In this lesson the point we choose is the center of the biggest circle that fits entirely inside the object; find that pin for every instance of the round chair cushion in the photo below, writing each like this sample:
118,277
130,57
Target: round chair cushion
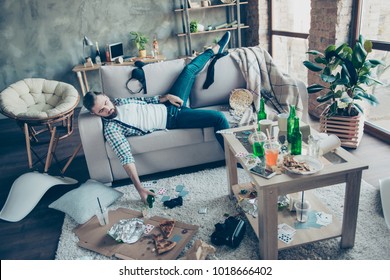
37,98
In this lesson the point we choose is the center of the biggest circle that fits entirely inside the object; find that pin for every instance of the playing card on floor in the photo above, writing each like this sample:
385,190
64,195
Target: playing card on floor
148,228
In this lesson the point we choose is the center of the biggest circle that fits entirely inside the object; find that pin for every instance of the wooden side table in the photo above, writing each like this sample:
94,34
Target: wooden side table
346,169
81,70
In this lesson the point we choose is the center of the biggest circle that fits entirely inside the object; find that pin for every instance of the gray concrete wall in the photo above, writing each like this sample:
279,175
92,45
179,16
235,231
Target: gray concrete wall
43,38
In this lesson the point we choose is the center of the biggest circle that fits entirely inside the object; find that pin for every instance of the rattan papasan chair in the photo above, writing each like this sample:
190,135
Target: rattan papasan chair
40,105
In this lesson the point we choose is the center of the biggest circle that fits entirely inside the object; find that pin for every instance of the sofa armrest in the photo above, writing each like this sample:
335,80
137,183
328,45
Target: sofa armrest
92,139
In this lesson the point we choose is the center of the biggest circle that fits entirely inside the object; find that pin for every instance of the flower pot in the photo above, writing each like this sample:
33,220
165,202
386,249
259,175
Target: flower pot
142,53
348,129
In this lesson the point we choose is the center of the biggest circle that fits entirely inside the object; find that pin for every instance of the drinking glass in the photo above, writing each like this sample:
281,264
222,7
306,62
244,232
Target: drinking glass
271,151
258,142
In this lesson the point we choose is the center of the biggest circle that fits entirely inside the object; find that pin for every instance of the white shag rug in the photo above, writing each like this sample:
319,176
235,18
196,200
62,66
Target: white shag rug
208,188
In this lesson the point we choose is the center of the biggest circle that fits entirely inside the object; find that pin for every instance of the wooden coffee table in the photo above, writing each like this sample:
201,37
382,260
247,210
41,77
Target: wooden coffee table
342,168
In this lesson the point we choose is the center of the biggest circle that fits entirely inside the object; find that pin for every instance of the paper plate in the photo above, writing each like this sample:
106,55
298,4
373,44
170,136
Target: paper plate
314,164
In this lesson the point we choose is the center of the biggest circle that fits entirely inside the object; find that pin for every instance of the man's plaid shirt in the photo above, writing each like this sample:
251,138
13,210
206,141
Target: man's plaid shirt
116,132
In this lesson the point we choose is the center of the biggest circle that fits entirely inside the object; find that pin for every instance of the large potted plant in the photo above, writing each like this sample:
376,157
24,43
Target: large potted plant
140,41
347,74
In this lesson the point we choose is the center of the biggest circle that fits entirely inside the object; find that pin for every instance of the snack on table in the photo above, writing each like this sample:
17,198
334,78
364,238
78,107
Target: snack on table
290,162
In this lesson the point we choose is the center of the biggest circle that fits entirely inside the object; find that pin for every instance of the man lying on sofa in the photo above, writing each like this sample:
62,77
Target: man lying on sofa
124,117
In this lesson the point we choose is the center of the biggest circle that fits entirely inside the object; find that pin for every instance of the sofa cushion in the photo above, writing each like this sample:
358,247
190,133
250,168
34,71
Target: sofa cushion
160,76
161,140
37,98
81,203
227,76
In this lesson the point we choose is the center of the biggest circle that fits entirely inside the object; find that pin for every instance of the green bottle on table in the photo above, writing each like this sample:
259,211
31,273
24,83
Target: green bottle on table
296,139
290,123
261,115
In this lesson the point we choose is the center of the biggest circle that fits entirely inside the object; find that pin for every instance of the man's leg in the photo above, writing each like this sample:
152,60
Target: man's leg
183,84
197,118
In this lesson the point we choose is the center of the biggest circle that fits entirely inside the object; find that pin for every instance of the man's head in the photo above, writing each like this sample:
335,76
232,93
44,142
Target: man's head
99,104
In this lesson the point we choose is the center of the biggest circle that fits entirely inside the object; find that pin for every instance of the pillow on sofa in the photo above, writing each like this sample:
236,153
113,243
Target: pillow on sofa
81,203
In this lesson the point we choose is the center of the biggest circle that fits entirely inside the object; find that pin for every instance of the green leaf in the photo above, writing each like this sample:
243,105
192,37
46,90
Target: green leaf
352,74
359,55
370,98
346,99
328,78
368,80
320,60
333,109
359,108
375,62
338,94
325,97
344,76
361,39
314,52
311,66
341,48
368,46
314,88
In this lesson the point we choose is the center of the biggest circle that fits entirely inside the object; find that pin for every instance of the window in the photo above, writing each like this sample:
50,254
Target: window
289,32
373,23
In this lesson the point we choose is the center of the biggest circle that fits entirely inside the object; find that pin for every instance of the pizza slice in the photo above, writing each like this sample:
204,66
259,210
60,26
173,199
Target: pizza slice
163,245
166,227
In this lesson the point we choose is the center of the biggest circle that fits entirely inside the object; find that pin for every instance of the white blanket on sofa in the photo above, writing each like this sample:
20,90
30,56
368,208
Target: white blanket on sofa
263,77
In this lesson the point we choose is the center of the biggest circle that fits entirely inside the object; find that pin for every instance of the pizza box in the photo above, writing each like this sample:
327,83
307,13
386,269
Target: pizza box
94,237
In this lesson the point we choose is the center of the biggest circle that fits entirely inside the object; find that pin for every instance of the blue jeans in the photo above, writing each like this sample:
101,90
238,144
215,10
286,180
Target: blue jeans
185,117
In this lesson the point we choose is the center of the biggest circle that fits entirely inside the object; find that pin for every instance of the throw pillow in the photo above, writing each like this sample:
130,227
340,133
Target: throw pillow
81,204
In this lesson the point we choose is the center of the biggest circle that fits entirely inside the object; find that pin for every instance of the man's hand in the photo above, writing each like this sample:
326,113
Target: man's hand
143,193
173,99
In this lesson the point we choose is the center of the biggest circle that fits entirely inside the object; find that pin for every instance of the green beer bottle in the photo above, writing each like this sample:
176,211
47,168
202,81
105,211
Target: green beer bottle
290,123
261,115
150,199
296,139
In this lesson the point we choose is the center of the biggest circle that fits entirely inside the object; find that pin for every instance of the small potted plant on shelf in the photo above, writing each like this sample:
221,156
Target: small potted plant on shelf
140,41
193,26
348,75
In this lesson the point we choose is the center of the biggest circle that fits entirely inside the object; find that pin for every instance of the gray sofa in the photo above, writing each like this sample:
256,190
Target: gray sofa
161,150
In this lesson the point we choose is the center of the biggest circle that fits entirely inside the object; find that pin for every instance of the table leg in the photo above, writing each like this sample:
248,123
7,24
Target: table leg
268,223
231,166
80,78
86,81
351,207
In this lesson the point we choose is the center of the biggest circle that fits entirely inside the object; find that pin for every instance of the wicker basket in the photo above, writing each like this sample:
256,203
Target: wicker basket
348,129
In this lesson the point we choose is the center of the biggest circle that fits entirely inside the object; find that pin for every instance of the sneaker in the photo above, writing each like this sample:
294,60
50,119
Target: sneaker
224,41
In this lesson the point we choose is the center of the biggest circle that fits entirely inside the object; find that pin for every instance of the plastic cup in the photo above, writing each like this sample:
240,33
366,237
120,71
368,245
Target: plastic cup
258,142
302,210
271,152
102,217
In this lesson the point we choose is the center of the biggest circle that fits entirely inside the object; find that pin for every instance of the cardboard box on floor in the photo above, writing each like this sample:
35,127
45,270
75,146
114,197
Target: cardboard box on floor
94,237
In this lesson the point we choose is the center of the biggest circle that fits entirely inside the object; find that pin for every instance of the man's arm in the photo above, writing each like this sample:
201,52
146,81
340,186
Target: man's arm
131,170
118,142
173,99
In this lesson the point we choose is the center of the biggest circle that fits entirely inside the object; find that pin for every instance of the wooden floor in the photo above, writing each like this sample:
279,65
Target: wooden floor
37,235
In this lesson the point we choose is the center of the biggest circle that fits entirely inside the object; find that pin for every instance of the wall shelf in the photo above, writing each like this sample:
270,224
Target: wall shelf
233,14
